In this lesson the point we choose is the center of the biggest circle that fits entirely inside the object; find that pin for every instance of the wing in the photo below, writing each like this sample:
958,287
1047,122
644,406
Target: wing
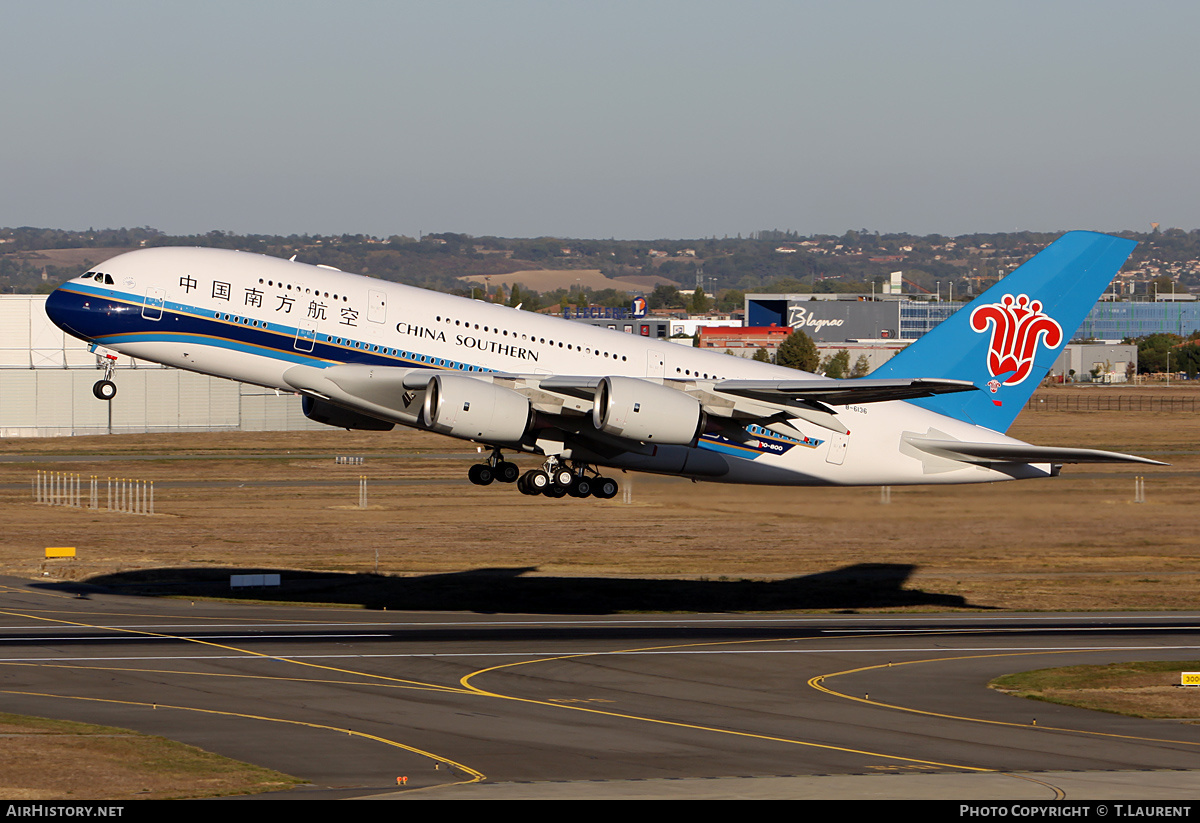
841,392
631,409
615,414
771,402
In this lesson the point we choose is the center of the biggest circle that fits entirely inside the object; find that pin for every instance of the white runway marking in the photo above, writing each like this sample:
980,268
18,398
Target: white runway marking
577,653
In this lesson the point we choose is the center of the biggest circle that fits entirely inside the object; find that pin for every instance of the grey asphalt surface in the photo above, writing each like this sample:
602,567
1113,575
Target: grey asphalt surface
511,706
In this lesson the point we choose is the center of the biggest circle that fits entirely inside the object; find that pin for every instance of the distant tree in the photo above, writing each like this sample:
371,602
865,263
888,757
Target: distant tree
699,303
731,300
664,297
1161,285
609,297
836,366
531,299
762,356
1153,349
798,351
862,367
514,298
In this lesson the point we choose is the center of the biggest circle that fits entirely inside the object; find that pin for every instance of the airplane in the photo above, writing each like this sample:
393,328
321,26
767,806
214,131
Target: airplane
370,354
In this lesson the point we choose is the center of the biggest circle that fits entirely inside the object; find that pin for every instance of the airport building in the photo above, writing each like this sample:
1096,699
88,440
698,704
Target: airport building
1118,320
830,318
1095,363
656,327
743,341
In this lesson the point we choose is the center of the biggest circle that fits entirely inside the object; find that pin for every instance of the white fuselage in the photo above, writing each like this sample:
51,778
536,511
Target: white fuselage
250,318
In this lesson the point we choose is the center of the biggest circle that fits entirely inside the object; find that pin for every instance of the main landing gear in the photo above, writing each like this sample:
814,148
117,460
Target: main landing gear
554,479
496,468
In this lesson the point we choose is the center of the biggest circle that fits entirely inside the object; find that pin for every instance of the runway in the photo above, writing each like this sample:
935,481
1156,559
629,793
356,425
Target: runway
476,705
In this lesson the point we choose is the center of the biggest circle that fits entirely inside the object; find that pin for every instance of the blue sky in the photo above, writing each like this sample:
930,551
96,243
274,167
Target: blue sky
635,120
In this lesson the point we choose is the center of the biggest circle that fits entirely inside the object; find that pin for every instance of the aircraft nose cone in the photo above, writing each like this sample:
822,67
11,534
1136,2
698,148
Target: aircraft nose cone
65,310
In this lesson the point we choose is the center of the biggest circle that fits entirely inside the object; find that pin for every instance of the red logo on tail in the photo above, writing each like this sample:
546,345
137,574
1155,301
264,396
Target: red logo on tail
1017,325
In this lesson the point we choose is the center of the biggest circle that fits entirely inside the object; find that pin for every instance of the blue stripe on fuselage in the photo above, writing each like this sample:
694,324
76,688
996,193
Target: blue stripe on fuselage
110,318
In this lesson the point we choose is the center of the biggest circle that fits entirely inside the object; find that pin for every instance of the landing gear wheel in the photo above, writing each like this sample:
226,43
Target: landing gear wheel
606,488
582,487
104,389
481,474
555,490
536,480
563,476
507,472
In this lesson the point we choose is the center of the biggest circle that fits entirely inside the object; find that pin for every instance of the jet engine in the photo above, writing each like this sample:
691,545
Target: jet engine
333,415
475,410
650,412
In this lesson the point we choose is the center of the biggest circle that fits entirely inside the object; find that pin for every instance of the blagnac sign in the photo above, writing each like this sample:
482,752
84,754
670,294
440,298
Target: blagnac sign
800,317
833,321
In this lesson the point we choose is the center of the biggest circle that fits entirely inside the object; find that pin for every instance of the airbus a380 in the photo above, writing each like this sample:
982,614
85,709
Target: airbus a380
368,354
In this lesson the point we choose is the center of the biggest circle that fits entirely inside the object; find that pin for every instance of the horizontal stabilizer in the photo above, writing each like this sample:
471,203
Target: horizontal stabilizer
1022,453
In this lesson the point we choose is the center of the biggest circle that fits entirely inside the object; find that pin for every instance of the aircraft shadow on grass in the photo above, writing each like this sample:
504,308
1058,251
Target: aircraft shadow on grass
511,590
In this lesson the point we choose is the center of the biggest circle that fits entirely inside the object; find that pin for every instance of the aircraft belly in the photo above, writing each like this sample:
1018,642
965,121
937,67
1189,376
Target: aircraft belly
243,367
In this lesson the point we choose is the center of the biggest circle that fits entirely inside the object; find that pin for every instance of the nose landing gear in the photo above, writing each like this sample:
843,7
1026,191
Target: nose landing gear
105,388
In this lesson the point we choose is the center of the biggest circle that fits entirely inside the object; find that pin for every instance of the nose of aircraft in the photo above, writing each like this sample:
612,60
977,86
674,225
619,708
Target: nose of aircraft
65,310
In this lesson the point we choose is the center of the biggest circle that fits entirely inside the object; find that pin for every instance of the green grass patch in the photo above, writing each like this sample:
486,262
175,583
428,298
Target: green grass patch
1137,689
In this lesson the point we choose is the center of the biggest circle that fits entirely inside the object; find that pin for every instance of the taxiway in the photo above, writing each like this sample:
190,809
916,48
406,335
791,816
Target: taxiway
613,706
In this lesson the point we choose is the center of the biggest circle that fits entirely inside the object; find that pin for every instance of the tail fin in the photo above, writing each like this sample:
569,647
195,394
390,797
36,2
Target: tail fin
1006,340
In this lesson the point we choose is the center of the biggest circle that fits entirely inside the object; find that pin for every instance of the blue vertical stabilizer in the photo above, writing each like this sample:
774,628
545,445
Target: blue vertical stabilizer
1006,340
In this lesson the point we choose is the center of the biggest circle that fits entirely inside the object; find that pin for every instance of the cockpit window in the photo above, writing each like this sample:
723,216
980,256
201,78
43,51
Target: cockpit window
88,276
108,281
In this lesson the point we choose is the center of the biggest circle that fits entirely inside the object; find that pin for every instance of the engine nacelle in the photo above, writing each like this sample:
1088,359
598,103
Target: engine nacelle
475,410
333,415
650,412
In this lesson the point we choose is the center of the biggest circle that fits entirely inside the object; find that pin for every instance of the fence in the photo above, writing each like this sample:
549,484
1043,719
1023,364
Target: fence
1107,402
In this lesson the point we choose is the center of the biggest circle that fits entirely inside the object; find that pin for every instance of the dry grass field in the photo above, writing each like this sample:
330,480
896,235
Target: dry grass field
277,501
